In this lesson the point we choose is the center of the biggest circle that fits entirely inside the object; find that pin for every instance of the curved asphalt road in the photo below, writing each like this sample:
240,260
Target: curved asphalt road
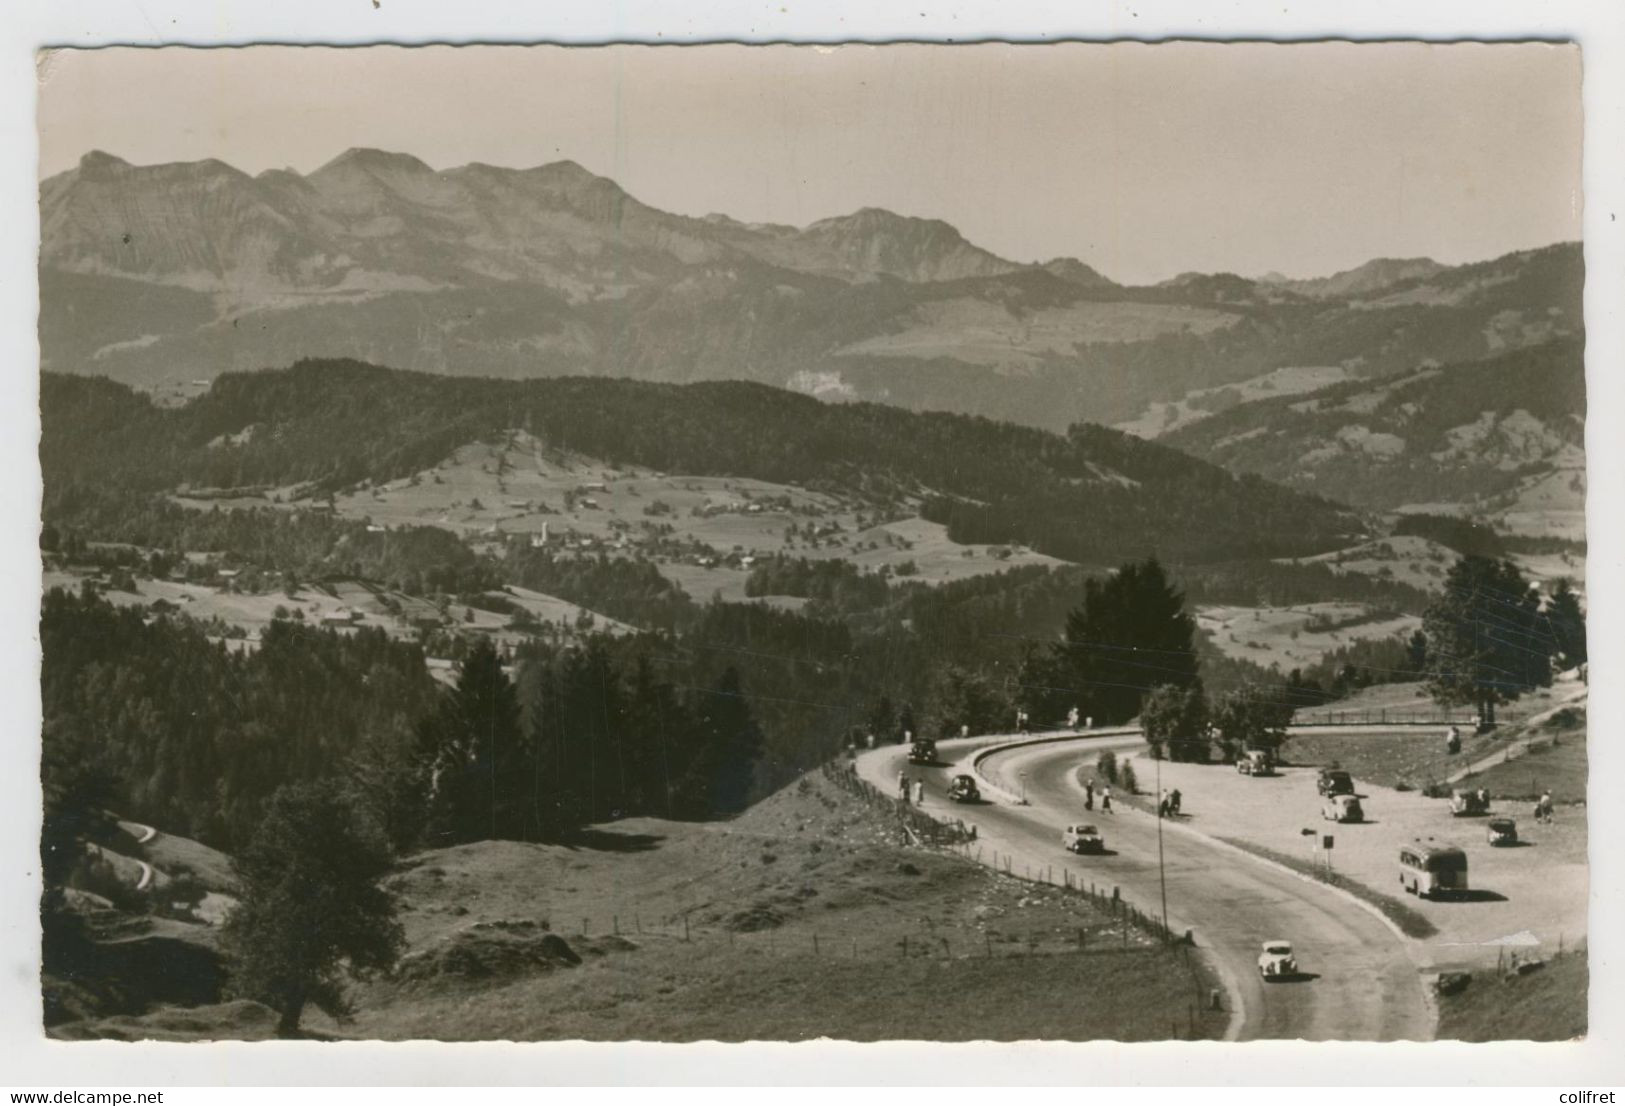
1363,985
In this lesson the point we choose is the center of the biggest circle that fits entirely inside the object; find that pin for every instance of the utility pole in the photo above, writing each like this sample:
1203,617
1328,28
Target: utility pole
1162,874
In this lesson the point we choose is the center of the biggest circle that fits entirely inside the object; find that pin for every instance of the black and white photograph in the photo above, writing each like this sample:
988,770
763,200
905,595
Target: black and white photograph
914,542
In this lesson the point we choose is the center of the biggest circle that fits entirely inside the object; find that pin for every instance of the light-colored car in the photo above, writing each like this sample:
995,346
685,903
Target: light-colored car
1277,961
1256,762
1083,839
1342,808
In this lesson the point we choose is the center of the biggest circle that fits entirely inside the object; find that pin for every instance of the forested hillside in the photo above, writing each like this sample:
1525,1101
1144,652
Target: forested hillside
1454,433
1092,496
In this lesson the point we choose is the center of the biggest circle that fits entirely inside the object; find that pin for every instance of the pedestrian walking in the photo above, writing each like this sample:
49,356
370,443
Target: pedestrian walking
1089,723
964,730
902,786
1089,795
871,739
1173,801
1106,800
919,792
1452,740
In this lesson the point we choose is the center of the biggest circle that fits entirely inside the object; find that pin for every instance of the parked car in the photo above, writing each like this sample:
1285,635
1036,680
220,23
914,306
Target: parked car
1277,961
923,751
1083,839
1342,808
1256,762
1468,803
1428,870
1501,831
962,789
1334,781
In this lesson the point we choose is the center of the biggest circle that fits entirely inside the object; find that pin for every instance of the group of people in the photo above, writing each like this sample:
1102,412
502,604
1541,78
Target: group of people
910,790
1168,807
1089,798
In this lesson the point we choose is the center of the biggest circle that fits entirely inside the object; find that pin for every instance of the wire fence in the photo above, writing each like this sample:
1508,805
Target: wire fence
919,827
1510,961
1407,716
1115,925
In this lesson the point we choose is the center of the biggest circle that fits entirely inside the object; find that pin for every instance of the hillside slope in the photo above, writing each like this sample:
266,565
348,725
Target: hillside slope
1095,495
162,276
1503,437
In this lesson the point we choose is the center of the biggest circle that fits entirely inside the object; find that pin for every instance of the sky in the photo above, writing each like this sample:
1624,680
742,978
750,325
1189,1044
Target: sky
1144,161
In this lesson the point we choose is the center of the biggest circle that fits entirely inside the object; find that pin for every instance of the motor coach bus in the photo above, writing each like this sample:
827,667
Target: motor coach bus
1432,870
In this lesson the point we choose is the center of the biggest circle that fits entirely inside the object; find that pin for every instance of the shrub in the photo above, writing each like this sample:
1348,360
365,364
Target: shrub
1130,784
1108,765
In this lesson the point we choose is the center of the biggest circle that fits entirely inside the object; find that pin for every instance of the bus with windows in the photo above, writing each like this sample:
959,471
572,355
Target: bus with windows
1430,871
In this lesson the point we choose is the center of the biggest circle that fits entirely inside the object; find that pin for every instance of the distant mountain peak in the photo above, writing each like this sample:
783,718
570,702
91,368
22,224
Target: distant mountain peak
874,239
100,161
1374,275
374,160
1073,271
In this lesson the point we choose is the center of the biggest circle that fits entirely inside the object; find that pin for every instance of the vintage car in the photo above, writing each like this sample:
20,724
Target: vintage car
1465,802
1256,762
1276,961
1342,808
1083,839
962,789
1501,831
923,751
1334,781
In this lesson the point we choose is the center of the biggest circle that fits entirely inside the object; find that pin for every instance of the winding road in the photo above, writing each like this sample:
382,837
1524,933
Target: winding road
1360,981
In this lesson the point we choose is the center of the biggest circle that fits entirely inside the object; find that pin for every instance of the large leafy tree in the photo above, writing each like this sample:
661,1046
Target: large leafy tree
962,697
1252,717
311,910
1176,718
1130,635
1488,640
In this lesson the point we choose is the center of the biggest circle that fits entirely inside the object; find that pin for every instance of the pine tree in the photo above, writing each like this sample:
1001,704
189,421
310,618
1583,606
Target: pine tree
1416,652
732,743
1130,635
481,787
1568,625
1488,641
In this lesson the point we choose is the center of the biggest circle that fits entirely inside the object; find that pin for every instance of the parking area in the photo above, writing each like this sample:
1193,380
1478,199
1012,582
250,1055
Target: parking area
1539,887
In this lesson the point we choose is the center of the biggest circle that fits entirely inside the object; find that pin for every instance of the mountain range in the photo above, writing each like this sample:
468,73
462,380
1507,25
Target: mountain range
166,276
